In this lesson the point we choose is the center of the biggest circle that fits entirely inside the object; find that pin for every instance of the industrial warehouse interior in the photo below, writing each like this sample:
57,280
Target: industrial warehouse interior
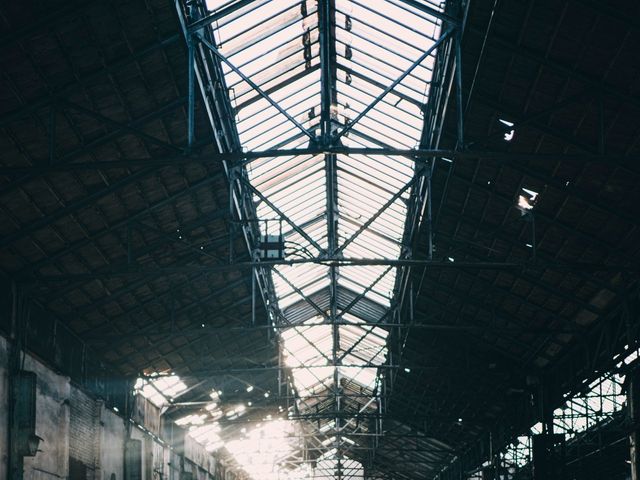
320,239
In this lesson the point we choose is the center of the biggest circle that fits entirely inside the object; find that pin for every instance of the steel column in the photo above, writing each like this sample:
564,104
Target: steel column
191,99
633,406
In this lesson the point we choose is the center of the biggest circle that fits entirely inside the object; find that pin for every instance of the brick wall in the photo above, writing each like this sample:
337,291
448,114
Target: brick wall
82,431
82,437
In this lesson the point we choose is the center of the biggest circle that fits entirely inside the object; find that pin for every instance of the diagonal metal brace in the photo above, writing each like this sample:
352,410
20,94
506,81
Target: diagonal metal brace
301,293
375,216
253,85
395,83
293,225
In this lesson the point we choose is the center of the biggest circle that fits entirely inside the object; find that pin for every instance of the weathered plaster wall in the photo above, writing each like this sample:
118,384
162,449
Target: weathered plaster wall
112,437
4,393
52,424
74,425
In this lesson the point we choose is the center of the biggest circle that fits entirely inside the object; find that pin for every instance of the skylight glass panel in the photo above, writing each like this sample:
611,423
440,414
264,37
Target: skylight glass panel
308,350
377,181
276,44
307,278
161,389
261,450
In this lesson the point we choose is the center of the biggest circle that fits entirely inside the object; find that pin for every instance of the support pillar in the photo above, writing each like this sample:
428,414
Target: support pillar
548,448
633,402
15,460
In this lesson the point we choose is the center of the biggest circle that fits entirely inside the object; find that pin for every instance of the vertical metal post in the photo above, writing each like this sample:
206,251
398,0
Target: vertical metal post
327,74
280,367
492,457
12,345
633,405
15,461
232,228
429,214
546,410
192,92
458,74
253,296
332,200
328,97
336,371
411,303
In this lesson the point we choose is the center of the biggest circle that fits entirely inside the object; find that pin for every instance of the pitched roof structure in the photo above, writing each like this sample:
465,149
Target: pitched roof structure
336,238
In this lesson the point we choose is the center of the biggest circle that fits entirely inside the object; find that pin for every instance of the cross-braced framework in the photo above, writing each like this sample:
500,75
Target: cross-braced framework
331,95
601,402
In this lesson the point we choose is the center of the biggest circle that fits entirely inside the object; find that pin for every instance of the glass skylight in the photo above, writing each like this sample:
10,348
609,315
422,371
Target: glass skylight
160,390
262,450
378,77
308,351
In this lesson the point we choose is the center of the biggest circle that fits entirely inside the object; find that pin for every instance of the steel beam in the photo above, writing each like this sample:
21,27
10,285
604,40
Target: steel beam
433,12
633,406
460,143
454,329
218,15
434,264
419,156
